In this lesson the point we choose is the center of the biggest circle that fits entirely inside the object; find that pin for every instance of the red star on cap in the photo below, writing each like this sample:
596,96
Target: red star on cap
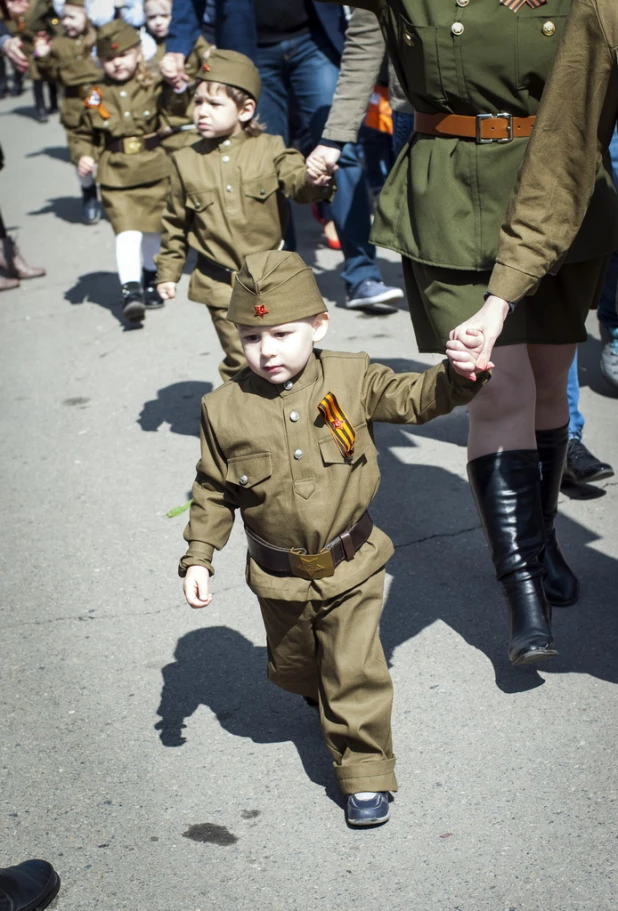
114,47
206,68
337,424
260,310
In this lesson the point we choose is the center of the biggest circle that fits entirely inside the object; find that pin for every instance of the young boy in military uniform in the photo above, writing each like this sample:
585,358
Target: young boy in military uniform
226,197
288,442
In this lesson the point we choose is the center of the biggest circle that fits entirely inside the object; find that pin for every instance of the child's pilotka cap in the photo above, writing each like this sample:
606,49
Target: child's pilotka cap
80,3
274,288
115,38
231,68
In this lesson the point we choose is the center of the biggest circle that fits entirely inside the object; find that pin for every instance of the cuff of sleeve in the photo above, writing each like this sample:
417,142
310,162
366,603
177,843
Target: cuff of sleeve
164,275
198,554
511,284
464,382
332,143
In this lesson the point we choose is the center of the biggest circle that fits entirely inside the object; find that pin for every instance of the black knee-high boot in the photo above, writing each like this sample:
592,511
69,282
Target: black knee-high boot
561,585
40,111
506,487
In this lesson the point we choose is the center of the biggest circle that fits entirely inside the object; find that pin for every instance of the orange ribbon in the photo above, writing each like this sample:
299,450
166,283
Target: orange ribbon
338,424
95,100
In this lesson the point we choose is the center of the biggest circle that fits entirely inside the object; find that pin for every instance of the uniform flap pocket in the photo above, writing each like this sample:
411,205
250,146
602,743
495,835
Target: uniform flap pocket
261,187
200,200
332,455
248,470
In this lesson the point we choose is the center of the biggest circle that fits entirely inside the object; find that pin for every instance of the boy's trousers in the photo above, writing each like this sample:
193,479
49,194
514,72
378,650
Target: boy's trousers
216,295
331,651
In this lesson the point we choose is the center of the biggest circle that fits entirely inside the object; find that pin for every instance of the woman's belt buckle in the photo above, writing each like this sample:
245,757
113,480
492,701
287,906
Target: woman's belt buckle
131,145
311,566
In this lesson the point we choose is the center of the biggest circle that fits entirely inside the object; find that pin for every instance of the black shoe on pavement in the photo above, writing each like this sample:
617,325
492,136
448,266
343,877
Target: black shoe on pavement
40,114
29,886
133,302
582,466
371,812
152,299
91,208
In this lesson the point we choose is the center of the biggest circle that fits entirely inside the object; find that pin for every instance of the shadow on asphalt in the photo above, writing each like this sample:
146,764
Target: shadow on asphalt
177,405
67,208
60,153
102,288
219,668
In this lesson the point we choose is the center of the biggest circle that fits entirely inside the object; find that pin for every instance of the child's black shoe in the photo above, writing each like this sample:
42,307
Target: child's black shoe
152,298
372,811
133,302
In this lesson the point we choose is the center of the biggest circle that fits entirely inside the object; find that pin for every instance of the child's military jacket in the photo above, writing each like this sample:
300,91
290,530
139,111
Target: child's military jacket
227,200
266,450
71,63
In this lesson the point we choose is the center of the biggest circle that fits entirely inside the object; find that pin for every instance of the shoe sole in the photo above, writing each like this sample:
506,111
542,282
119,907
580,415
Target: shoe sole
597,476
533,657
135,313
366,823
47,899
395,295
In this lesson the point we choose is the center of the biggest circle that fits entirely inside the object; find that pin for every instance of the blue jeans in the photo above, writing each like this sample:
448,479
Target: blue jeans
576,418
298,82
403,124
607,304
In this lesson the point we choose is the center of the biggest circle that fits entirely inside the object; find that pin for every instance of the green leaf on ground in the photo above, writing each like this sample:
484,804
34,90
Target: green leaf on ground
177,510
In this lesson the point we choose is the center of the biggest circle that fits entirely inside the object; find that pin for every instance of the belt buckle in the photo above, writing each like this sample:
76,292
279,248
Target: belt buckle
501,116
311,566
131,145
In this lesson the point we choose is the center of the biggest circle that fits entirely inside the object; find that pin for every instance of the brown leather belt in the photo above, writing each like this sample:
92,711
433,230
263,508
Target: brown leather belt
297,562
215,271
131,145
77,91
483,128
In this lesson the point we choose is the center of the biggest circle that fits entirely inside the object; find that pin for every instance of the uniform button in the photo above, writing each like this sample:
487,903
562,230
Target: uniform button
294,416
549,29
408,38
288,384
146,113
123,94
243,479
229,188
79,57
227,143
225,158
127,113
457,28
462,2
298,454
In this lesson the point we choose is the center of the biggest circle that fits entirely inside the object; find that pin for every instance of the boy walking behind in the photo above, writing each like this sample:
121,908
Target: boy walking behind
227,193
288,442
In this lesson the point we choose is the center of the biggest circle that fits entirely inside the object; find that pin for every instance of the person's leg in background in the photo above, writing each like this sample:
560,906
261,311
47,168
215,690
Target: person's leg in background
608,318
581,465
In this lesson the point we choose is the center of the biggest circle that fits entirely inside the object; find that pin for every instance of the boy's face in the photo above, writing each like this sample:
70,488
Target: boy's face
277,353
158,17
74,20
122,67
215,114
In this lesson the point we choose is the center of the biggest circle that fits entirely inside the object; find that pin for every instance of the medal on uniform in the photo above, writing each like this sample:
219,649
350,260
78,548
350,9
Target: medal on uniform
95,100
338,423
516,5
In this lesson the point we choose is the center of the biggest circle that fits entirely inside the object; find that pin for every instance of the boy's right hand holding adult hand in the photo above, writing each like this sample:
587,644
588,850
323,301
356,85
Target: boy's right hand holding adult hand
196,586
167,290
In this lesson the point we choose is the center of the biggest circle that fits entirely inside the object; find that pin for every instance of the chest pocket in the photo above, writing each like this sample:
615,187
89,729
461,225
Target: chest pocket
199,202
363,447
247,471
537,40
420,59
261,188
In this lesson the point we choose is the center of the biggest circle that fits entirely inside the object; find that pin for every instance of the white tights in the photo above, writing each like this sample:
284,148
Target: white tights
133,248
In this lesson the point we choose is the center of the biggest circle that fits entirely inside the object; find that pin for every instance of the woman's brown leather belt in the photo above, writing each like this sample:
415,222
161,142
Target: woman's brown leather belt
297,562
131,145
482,128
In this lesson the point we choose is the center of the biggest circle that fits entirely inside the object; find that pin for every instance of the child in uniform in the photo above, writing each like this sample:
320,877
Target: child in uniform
288,442
158,15
227,193
69,59
182,131
118,136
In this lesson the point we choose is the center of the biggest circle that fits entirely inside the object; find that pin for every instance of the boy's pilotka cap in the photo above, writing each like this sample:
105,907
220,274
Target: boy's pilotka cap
231,68
115,38
274,288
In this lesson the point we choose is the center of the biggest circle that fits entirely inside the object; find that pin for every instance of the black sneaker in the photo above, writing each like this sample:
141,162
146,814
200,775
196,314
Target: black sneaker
91,208
582,466
152,299
372,812
133,302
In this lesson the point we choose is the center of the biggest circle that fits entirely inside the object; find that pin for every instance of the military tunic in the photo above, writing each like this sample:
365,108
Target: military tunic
226,201
470,58
573,131
134,183
266,451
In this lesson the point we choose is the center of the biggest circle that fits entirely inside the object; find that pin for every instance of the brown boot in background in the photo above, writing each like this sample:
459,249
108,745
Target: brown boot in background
13,263
7,284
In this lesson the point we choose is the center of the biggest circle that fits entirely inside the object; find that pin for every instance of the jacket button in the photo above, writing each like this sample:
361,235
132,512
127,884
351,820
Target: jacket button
298,454
408,38
548,29
462,2
229,188
457,28
225,158
226,143
288,384
243,479
123,94
262,192
294,416
127,113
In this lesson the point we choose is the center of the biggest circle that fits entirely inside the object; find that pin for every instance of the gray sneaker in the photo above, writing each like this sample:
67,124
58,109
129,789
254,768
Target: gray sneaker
372,297
609,354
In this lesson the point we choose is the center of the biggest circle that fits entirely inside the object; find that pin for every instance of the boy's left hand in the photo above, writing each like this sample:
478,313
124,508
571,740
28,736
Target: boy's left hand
319,172
463,356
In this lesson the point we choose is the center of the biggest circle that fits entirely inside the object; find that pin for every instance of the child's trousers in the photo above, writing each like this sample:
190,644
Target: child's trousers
331,652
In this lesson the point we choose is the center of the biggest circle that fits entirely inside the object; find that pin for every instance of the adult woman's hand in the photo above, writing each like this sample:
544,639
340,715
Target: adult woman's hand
489,320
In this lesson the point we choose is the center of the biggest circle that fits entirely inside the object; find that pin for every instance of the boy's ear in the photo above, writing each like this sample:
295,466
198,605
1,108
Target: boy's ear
247,112
320,326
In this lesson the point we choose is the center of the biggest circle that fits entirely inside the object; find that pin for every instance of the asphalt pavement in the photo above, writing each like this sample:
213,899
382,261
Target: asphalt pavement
142,749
